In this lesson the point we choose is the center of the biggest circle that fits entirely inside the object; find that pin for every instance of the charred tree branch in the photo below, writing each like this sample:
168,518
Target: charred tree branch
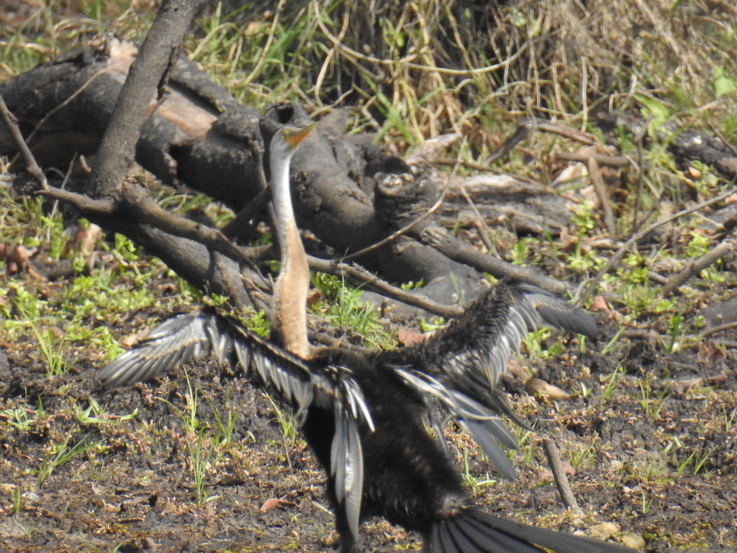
157,54
141,205
211,144
87,205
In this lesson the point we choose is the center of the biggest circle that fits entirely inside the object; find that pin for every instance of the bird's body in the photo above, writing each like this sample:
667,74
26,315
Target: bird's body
363,413
401,461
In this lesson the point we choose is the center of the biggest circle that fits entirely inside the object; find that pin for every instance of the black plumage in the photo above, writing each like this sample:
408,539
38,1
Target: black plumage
362,413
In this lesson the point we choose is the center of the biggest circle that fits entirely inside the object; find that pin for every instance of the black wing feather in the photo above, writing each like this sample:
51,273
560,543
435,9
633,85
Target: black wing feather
461,365
187,337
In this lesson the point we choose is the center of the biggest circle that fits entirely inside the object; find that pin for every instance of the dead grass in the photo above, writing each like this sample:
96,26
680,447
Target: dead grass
437,64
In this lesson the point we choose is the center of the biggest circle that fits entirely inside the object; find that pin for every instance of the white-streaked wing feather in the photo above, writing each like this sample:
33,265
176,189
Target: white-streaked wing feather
346,463
178,340
461,365
186,337
482,424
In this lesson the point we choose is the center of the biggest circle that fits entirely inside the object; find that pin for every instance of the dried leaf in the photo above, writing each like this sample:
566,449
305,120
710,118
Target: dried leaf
314,296
409,337
599,304
539,388
517,370
86,237
271,504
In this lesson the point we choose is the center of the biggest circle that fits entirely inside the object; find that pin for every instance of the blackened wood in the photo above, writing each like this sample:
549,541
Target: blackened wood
116,153
190,141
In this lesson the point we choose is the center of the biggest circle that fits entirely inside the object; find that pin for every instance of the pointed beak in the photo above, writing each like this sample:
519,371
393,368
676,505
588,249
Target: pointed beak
294,137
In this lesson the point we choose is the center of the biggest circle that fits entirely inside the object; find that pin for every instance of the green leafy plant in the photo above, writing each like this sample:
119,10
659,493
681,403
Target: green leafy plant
342,306
225,420
95,414
471,480
646,502
50,340
723,83
17,418
288,426
674,333
611,382
582,456
200,445
651,405
61,453
200,449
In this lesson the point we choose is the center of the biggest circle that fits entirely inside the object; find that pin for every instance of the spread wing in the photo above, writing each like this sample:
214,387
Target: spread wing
185,338
461,365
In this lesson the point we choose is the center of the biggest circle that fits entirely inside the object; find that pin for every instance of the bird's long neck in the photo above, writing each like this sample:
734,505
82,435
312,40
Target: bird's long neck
289,317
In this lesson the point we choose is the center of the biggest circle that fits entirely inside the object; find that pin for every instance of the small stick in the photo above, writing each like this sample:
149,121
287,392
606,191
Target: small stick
12,125
693,267
87,205
593,167
720,328
564,487
480,223
601,159
358,274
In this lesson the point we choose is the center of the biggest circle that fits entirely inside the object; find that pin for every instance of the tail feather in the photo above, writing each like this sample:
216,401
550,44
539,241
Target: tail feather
472,531
502,543
446,540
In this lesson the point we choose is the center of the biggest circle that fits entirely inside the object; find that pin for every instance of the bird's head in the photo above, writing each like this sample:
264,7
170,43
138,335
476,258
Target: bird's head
283,145
292,137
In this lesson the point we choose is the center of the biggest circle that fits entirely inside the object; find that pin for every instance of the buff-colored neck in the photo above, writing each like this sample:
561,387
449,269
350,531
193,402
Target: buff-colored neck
289,317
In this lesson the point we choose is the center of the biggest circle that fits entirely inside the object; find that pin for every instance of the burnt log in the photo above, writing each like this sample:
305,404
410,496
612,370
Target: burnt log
196,135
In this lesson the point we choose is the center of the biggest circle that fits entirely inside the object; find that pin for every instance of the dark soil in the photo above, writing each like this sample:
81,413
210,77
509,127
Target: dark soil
133,488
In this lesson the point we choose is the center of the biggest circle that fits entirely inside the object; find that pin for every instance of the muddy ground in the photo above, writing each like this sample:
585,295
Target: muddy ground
651,446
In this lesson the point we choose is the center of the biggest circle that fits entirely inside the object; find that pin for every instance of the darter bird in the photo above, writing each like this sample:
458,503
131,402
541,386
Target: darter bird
362,413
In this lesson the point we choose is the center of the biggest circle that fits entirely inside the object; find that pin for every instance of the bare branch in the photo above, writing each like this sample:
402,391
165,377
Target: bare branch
365,279
117,150
694,267
593,167
601,159
12,125
617,257
439,238
142,206
87,205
